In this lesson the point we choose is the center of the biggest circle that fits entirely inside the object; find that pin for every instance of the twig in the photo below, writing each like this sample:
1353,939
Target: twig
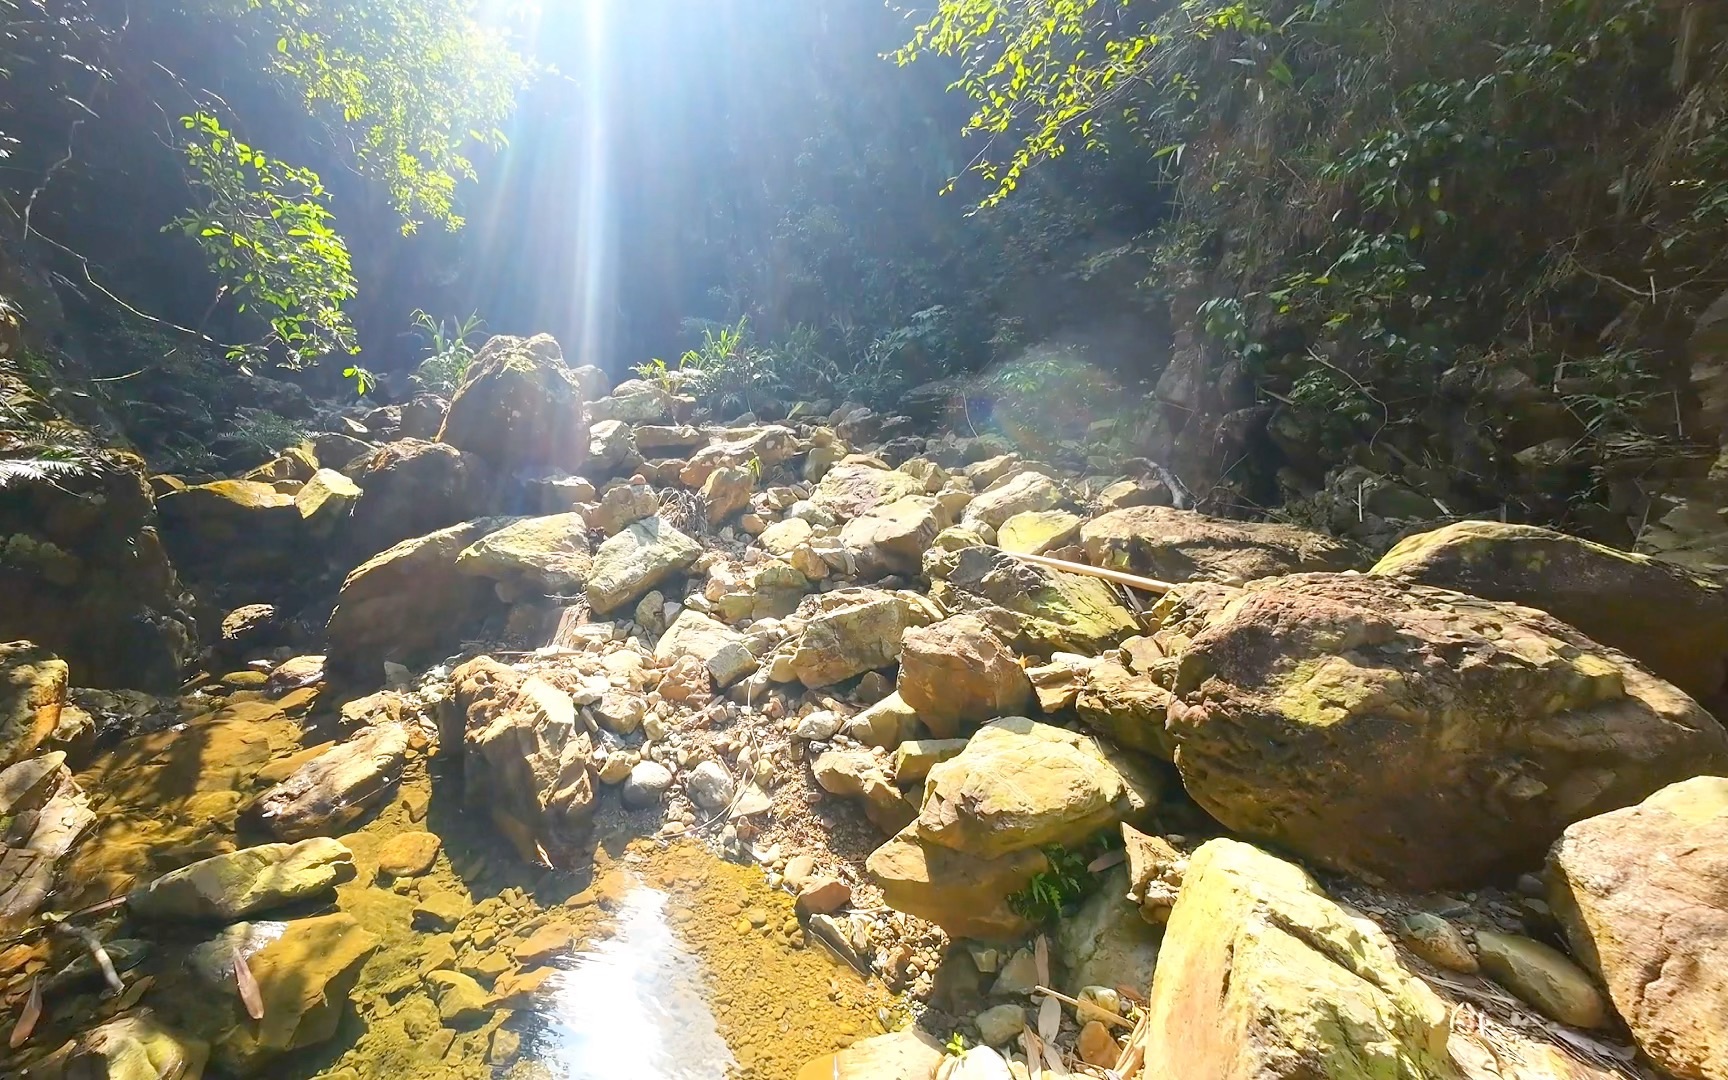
1091,1012
1144,584
48,177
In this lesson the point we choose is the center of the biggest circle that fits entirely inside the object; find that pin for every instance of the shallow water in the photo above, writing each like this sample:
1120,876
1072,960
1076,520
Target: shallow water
678,965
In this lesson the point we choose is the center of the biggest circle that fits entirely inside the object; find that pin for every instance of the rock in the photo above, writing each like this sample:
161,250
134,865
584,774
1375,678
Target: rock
26,785
562,494
1001,1024
1643,898
439,912
462,1003
1021,784
411,488
1129,493
819,726
637,559
649,780
886,724
407,604
956,674
611,446
634,401
1543,977
240,883
892,536
1673,621
520,409
784,537
304,980
1180,546
335,788
1262,976
963,894
849,632
914,759
978,1063
325,502
136,1046
1038,531
622,506
1439,942
32,694
525,758
541,556
710,786
621,711
720,648
234,531
1106,942
727,492
1097,1047
1019,975
822,896
1155,872
1472,731
677,437
544,945
901,1055
1033,609
1020,493
85,576
409,854
850,490
767,446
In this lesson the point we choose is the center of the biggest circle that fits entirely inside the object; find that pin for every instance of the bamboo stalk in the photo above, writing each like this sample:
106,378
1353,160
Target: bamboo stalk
1144,584
1089,1011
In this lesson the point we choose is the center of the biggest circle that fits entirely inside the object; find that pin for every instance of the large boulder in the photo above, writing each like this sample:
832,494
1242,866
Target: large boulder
83,573
1106,941
520,409
850,631
227,887
720,649
1036,610
538,556
853,488
1179,545
1414,735
894,536
304,979
408,604
32,693
1642,894
767,446
1672,621
1261,977
525,758
958,891
337,786
956,674
1125,706
410,488
1020,785
235,532
635,560
1019,493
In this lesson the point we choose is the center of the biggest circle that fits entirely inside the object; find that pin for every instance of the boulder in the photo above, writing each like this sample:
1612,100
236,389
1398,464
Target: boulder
329,792
1106,942
1179,546
409,854
767,446
1642,894
783,537
851,489
647,782
893,536
235,531
325,501
623,505
1261,976
720,648
525,758
136,1046
1416,736
1543,977
84,574
611,446
540,556
1673,621
32,693
228,887
304,979
963,894
727,492
1038,531
861,774
886,724
1018,493
1127,708
634,401
900,1055
407,604
1036,610
1020,784
957,674
520,409
637,559
410,488
848,632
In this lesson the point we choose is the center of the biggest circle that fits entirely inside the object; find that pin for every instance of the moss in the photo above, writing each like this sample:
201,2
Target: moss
42,558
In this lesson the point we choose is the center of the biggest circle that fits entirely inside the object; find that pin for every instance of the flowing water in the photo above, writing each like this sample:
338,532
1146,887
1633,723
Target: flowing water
655,963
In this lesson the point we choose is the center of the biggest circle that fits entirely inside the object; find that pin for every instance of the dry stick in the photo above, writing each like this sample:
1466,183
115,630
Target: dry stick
1145,584
1090,1011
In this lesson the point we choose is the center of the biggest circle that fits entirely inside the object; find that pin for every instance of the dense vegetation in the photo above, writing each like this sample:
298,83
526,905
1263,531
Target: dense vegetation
1456,244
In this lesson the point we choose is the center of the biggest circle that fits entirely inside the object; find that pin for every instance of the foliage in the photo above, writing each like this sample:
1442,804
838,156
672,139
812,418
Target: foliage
264,433
35,445
265,227
450,349
1053,892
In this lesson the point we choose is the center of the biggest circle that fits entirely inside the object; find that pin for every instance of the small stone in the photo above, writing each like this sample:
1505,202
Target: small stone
799,869
462,1003
819,726
409,854
648,781
997,1026
710,786
615,769
1097,1047
1019,975
1439,942
544,944
439,912
823,896
1543,977
1096,1002
506,1047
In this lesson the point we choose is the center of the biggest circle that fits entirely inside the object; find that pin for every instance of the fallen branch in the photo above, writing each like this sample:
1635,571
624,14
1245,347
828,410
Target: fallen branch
1144,584
1082,1008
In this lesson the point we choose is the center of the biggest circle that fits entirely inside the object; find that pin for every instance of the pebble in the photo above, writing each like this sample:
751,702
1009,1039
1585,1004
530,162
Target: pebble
998,1025
1439,942
1097,1047
409,854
